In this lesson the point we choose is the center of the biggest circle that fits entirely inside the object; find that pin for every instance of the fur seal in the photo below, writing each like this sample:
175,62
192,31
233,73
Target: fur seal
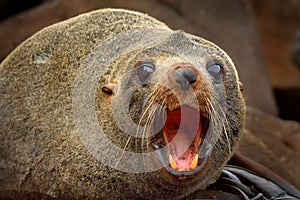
114,104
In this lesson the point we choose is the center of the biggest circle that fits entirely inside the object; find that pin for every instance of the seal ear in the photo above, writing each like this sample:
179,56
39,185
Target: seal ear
108,88
241,85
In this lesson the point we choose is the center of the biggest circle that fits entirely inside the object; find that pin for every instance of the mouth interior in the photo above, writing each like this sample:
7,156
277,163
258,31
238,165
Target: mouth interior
183,132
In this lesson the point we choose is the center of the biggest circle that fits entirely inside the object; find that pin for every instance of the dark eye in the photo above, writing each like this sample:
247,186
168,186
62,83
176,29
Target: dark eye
216,71
144,71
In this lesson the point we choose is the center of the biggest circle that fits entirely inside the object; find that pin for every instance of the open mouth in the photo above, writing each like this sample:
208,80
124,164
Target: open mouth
183,134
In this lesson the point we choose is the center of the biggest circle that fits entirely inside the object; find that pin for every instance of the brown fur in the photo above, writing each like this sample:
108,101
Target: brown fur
41,153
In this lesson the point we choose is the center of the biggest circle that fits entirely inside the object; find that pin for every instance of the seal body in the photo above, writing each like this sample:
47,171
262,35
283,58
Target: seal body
114,104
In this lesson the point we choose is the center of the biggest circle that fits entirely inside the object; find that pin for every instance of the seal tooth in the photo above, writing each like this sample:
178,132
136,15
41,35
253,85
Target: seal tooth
200,141
194,162
172,162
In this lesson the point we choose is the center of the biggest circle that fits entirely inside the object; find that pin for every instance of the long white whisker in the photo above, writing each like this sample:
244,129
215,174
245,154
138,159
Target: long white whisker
127,142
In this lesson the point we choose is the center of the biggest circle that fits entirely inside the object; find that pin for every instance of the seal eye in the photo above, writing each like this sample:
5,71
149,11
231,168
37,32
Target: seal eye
216,71
144,71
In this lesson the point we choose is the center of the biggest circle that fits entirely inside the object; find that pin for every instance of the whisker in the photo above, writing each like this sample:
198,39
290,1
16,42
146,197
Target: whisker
213,116
127,142
149,121
225,125
152,97
219,117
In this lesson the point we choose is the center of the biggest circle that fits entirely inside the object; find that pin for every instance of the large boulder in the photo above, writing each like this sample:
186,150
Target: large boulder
273,142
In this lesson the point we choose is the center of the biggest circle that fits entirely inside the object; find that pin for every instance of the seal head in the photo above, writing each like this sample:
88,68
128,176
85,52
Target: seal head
184,99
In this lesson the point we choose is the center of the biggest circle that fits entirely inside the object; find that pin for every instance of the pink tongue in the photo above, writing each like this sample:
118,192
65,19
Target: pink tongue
180,149
182,132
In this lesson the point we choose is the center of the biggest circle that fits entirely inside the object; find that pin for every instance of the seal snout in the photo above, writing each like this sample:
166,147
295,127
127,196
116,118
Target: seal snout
185,77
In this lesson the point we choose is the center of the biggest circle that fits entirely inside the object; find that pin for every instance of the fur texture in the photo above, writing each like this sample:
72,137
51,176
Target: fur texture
41,153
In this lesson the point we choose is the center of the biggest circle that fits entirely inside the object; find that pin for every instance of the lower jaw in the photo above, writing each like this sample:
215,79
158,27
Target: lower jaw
180,174
184,166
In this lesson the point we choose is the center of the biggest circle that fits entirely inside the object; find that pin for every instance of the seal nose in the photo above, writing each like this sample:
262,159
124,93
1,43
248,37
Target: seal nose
185,77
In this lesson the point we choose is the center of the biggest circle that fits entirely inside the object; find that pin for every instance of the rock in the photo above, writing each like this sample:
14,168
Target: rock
296,50
273,142
11,7
288,101
278,24
279,30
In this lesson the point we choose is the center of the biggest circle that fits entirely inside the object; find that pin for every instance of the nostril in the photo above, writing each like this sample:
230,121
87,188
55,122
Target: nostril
185,77
189,75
